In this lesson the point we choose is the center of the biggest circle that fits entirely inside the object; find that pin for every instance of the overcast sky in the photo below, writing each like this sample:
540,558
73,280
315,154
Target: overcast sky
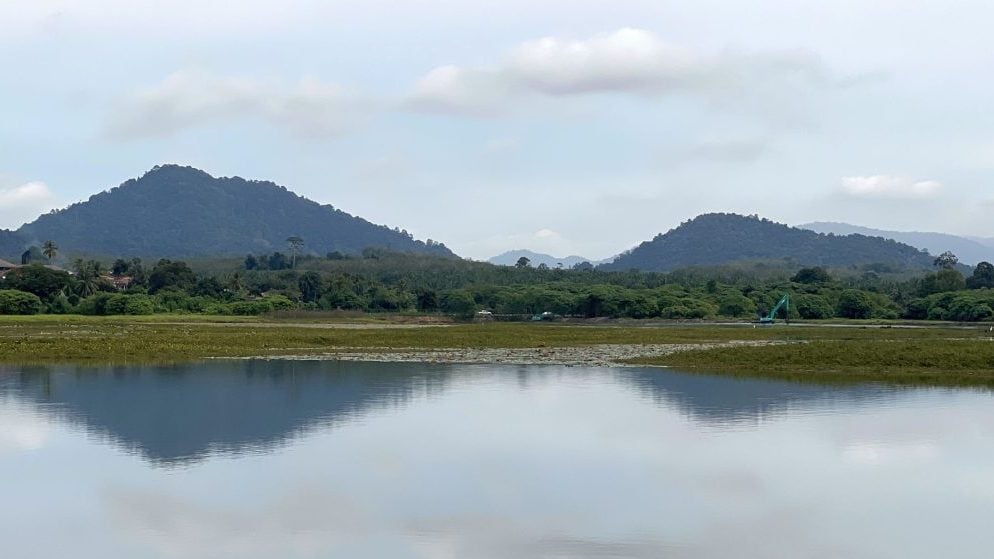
577,126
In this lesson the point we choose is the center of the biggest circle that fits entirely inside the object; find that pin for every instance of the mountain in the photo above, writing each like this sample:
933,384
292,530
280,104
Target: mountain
511,257
174,211
970,251
11,245
712,239
986,241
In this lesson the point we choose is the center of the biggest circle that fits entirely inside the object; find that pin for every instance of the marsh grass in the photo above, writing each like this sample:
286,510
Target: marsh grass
949,356
915,361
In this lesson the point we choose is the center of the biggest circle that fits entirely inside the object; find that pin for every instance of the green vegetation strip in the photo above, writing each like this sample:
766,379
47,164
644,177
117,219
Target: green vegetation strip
946,356
913,361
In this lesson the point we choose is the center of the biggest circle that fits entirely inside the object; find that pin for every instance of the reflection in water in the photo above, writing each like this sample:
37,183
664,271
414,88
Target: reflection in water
321,459
728,400
183,413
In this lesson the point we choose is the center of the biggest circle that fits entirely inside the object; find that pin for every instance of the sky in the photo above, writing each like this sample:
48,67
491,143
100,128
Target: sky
568,127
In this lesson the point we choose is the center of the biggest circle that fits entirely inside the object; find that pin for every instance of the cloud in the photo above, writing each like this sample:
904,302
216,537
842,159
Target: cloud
632,61
451,89
194,97
25,202
890,187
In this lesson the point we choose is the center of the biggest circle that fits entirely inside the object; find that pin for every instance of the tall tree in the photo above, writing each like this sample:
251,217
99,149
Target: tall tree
946,261
295,243
50,250
523,262
983,276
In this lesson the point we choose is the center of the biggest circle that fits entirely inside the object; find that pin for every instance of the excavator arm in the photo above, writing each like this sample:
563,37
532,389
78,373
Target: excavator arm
783,304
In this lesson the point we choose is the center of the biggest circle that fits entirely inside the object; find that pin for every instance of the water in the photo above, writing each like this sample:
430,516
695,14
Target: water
317,459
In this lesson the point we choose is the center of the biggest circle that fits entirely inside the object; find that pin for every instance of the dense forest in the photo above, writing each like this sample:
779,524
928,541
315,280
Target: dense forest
383,281
175,211
719,238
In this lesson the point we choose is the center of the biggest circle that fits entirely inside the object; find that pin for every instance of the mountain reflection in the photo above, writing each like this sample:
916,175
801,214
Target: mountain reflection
720,400
173,415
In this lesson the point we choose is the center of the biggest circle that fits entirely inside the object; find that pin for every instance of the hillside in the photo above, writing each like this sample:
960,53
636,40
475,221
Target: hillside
721,238
510,258
175,211
11,245
968,250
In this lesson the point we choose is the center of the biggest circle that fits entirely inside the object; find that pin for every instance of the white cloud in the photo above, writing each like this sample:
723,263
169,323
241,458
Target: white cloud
625,60
195,96
25,202
628,60
451,89
890,187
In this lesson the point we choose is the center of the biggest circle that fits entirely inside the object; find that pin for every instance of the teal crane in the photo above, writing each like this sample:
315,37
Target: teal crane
783,304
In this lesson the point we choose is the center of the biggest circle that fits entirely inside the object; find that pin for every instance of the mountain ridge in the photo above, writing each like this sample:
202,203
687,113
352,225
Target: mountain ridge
969,250
175,211
510,258
722,238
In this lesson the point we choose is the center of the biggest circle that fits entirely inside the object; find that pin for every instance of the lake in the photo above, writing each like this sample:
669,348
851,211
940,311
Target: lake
307,459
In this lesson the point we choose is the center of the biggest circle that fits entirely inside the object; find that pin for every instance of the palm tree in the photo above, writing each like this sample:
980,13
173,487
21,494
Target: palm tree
295,243
87,277
50,250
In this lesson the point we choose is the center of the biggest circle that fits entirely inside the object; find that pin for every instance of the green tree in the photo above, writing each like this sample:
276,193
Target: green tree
816,274
120,267
983,276
39,280
523,262
943,281
813,306
854,303
295,243
427,300
50,250
277,261
946,261
309,284
168,274
13,301
88,277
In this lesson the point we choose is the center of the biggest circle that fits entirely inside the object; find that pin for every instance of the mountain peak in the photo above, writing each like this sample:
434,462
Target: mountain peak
179,211
719,238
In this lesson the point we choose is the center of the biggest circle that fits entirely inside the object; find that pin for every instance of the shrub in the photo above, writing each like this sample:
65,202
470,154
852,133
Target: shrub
13,301
736,304
854,303
813,307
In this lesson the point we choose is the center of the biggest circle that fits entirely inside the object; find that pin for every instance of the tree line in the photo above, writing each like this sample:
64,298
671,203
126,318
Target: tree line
384,281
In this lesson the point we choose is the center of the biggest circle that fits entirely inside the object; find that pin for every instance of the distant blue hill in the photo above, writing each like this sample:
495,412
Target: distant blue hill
969,250
511,257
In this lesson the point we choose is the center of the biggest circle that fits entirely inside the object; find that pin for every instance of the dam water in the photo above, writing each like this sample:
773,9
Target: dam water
315,459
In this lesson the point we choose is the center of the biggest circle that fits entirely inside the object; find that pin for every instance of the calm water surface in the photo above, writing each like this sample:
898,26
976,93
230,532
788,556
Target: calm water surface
316,459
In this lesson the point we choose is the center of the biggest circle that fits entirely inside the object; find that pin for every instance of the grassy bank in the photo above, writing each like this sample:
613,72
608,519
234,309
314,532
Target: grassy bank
948,356
918,361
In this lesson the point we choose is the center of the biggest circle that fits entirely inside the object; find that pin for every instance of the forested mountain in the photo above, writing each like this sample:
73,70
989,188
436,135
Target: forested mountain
720,238
510,258
969,251
175,211
11,245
